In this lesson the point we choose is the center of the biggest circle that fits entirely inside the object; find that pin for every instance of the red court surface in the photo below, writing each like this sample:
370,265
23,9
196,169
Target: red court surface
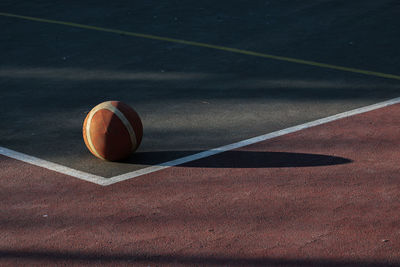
325,196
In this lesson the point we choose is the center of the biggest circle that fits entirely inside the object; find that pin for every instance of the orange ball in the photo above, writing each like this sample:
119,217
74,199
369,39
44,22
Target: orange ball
112,130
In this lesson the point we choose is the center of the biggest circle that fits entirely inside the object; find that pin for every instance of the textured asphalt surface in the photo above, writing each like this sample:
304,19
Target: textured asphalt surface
332,199
190,98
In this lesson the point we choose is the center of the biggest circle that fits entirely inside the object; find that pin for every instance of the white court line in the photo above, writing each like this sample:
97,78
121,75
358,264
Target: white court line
119,178
53,166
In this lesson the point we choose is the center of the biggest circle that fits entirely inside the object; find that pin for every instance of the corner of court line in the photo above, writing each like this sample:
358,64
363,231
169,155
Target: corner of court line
251,141
181,161
278,210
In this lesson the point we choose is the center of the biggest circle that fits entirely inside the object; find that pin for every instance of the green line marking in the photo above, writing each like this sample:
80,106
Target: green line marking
218,47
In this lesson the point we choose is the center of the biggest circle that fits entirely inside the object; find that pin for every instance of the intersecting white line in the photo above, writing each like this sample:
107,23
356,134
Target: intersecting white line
52,166
119,178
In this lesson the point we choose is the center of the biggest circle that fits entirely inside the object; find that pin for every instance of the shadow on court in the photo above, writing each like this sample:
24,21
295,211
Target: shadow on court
70,257
189,98
241,159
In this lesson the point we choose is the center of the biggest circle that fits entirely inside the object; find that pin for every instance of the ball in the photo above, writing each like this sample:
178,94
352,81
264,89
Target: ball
112,130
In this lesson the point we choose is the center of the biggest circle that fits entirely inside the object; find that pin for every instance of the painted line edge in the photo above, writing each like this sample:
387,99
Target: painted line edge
250,141
206,45
99,180
88,177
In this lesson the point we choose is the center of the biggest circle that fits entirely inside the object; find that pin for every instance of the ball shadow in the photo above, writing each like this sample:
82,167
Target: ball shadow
239,159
